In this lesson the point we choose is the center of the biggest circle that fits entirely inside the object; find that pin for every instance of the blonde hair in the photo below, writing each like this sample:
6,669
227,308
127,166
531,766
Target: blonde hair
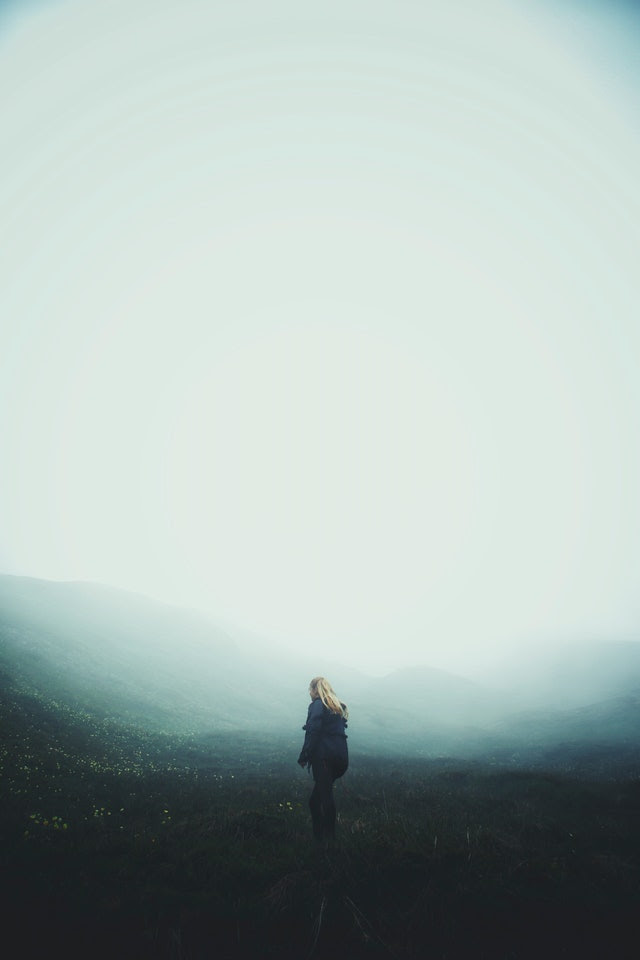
319,687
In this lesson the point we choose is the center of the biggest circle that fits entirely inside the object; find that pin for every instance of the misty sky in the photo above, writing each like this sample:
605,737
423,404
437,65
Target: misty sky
323,318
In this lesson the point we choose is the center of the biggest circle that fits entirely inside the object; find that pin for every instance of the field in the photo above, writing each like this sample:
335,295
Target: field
119,843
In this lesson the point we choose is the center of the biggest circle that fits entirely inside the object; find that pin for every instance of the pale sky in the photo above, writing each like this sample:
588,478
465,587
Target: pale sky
324,318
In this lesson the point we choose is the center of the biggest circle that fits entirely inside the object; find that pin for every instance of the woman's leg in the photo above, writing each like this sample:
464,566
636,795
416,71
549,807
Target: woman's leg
321,802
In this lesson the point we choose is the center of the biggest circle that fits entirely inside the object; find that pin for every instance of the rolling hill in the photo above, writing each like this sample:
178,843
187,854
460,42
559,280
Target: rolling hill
136,661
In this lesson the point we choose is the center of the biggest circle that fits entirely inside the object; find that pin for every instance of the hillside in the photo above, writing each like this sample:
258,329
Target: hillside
131,660
124,655
121,842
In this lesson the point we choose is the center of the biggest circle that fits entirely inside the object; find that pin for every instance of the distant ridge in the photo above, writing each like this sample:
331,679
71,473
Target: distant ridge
440,694
580,674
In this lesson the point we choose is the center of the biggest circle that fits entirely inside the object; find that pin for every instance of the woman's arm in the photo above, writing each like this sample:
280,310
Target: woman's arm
313,728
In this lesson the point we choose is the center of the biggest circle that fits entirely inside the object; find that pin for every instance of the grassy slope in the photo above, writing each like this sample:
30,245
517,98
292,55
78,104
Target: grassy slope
122,843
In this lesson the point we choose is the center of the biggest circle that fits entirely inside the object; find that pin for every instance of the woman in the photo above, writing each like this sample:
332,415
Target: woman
325,751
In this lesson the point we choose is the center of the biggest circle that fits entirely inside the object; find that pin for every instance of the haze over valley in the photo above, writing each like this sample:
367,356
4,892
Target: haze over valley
137,662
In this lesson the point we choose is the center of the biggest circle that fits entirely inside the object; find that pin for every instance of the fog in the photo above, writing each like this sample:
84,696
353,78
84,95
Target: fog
85,651
322,321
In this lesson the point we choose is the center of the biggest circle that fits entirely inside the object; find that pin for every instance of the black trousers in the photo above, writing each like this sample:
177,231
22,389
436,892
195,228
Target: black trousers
321,802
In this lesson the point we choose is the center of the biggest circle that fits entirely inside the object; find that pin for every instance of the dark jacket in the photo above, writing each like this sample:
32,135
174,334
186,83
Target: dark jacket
325,737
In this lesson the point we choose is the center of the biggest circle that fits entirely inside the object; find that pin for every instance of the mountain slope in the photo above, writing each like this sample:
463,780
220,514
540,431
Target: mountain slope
121,654
128,659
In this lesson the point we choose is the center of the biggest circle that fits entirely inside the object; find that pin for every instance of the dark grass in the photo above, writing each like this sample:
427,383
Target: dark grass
119,843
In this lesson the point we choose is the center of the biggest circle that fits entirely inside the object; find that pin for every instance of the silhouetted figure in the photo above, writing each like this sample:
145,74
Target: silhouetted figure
325,751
